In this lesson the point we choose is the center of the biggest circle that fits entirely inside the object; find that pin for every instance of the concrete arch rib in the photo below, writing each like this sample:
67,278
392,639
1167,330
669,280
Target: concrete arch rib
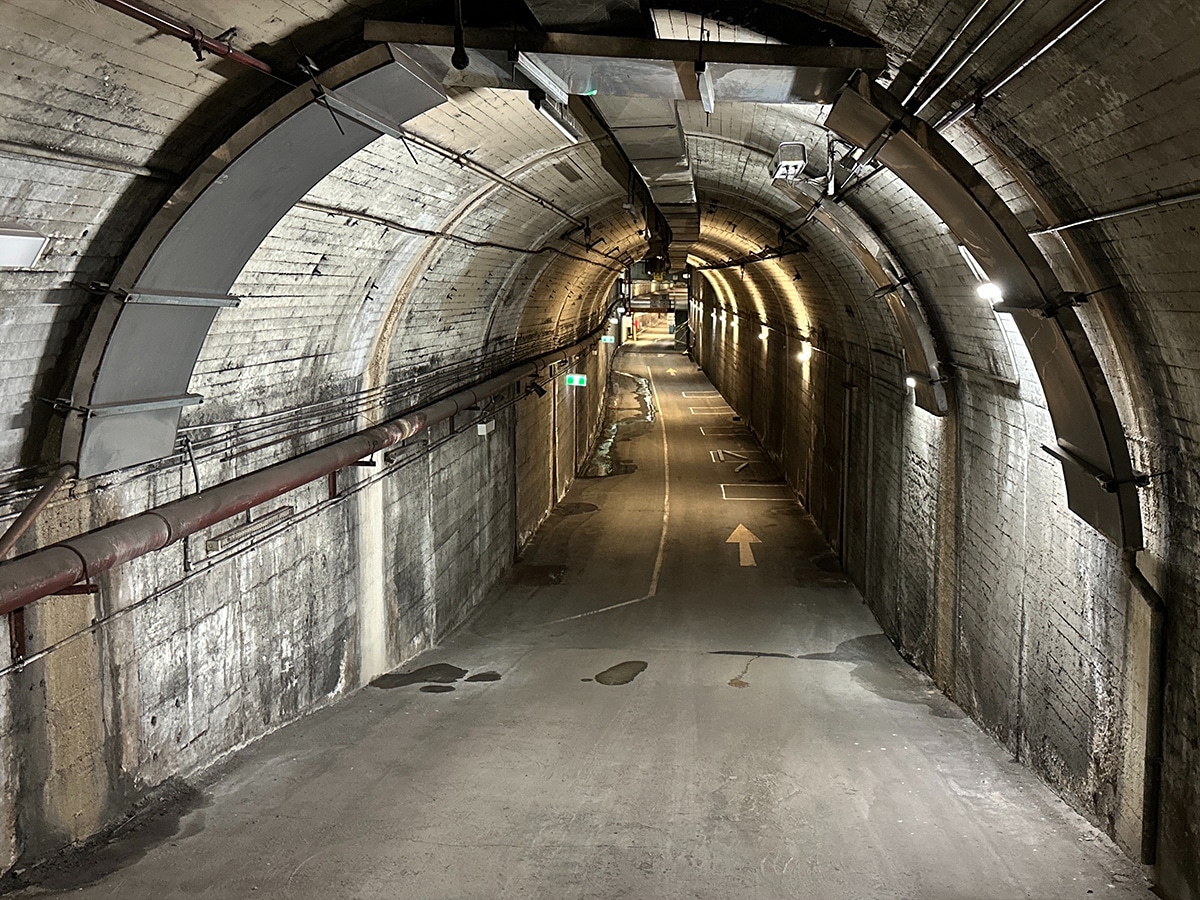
1096,463
137,363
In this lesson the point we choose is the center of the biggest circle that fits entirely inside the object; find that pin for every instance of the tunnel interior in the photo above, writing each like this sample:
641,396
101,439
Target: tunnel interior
935,257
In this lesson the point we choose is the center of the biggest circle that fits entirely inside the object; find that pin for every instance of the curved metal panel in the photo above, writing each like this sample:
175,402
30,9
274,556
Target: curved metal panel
920,351
1097,468
145,341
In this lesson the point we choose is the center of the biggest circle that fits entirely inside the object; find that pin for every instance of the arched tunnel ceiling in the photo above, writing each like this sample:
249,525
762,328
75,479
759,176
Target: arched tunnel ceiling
172,112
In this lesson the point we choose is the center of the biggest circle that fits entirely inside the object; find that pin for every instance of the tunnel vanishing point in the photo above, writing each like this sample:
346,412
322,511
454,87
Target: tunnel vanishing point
310,313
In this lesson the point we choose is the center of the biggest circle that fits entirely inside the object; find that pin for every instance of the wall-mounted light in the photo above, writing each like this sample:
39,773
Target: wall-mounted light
910,381
806,351
613,320
764,333
20,247
990,291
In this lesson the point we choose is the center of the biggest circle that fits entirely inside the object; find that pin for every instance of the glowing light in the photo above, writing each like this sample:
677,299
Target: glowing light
762,335
990,292
910,381
806,351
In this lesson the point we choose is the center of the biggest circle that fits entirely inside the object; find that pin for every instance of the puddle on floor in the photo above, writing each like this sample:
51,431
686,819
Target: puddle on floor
606,461
622,673
484,676
438,673
438,678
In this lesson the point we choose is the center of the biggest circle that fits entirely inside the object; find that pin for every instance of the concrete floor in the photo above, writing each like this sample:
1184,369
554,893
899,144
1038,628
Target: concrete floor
774,745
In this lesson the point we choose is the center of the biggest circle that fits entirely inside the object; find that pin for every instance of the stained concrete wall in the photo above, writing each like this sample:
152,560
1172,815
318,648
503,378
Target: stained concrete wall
956,530
185,655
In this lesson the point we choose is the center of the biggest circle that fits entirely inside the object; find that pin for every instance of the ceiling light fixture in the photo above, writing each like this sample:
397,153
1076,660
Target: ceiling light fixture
540,75
704,82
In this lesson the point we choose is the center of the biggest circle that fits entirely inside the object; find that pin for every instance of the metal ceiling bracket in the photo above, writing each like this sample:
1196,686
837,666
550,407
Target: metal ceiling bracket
156,403
1080,402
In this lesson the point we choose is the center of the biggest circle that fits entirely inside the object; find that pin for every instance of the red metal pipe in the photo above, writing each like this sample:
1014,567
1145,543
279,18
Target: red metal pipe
49,570
190,33
60,477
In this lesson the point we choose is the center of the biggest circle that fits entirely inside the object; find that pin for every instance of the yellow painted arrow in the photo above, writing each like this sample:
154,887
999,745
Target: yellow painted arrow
670,371
744,537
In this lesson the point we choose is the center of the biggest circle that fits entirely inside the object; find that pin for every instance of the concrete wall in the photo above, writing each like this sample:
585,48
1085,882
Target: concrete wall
196,652
956,530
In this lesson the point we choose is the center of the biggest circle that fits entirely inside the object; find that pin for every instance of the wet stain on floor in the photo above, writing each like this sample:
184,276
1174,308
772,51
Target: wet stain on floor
738,680
829,563
484,676
438,678
438,673
753,653
622,673
574,509
172,811
541,576
879,670
606,460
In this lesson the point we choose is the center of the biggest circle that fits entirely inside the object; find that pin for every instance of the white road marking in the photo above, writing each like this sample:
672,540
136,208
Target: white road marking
662,540
698,394
744,537
723,430
710,410
756,492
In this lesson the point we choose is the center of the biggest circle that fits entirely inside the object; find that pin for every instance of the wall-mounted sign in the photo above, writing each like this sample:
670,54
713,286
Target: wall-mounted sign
607,339
576,381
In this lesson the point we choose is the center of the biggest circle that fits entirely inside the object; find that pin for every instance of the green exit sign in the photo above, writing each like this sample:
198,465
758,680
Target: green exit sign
576,381
607,339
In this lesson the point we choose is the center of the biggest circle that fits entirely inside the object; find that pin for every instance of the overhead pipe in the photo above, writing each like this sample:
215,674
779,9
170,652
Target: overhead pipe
169,25
1065,27
57,567
1117,213
970,54
23,522
946,48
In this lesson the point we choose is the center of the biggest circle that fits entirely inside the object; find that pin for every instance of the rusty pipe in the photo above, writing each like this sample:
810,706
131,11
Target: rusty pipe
22,523
52,569
169,25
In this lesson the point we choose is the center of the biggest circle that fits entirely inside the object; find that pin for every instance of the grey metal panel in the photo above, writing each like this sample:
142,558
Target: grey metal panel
152,353
199,242
112,440
668,194
580,16
659,143
1078,397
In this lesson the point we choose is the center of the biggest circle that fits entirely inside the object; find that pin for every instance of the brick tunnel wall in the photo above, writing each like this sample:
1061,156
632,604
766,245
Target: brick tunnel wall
200,650
957,533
